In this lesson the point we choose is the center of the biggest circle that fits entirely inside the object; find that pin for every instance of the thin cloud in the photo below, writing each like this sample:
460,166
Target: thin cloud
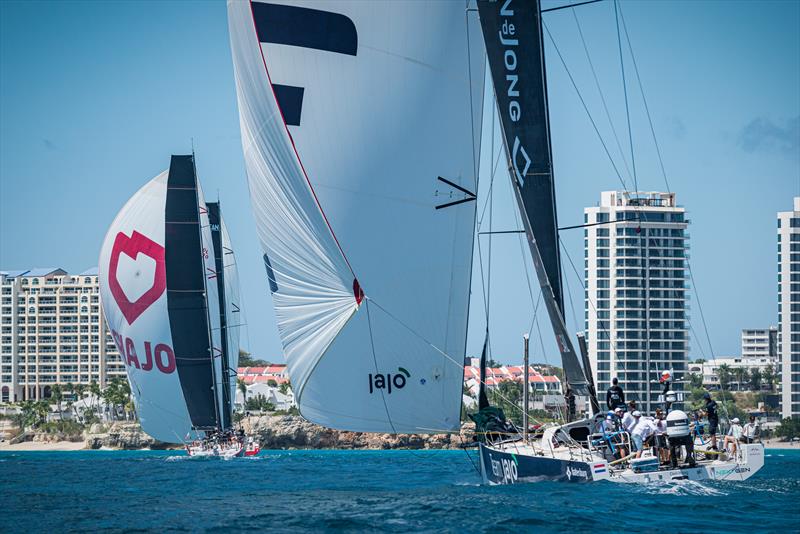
761,134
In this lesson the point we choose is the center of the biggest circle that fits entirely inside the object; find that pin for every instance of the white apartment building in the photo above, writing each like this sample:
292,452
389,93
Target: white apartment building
789,308
710,371
52,331
760,343
636,284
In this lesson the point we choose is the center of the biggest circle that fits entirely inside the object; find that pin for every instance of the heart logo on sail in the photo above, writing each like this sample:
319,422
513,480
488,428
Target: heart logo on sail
133,246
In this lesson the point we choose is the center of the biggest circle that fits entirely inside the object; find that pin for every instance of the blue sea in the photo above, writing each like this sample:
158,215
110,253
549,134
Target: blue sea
357,491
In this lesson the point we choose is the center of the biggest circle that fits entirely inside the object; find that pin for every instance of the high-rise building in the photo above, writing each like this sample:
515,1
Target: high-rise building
52,331
636,302
760,343
789,308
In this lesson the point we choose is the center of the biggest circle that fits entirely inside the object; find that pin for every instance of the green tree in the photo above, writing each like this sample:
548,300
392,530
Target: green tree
696,380
245,360
117,395
40,410
259,403
285,387
272,383
724,374
770,377
243,388
57,395
789,428
94,389
755,379
508,396
741,375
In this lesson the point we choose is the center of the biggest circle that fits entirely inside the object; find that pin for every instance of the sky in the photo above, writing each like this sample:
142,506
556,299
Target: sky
96,96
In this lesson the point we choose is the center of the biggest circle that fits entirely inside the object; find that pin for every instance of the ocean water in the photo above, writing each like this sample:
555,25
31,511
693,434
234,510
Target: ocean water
392,491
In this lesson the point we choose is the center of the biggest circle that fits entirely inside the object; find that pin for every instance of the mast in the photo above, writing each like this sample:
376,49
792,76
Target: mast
512,31
526,385
215,221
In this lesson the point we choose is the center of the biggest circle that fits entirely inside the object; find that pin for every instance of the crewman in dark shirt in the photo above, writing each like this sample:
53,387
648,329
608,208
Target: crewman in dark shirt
615,396
713,418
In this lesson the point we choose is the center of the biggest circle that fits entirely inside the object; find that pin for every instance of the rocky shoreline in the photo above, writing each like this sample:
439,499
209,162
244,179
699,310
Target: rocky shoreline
272,431
294,432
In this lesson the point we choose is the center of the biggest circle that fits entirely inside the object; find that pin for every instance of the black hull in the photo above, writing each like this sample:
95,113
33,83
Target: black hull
499,467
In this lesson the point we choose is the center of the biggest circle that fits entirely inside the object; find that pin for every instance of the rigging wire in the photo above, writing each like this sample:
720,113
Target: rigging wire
602,96
666,183
625,91
585,108
644,99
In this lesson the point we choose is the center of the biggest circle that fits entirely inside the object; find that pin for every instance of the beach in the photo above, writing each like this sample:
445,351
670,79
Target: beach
51,446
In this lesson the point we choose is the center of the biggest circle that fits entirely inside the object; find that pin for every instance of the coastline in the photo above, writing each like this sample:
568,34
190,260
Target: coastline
51,446
68,446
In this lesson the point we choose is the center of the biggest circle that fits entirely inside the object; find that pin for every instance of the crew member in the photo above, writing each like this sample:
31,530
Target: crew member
733,435
661,436
750,431
615,396
627,419
642,429
713,419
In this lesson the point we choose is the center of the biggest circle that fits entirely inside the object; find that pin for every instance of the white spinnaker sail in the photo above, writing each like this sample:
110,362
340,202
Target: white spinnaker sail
132,273
377,100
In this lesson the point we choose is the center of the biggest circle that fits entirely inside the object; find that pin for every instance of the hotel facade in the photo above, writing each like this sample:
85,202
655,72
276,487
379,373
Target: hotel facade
52,331
636,310
760,343
789,309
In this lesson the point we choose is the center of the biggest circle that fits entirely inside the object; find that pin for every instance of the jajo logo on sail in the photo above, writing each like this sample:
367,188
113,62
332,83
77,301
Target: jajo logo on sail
388,381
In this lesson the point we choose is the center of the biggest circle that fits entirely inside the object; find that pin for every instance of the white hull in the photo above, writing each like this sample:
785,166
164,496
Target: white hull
512,463
215,452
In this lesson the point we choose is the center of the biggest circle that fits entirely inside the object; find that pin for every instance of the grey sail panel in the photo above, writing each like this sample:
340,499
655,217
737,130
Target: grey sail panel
514,47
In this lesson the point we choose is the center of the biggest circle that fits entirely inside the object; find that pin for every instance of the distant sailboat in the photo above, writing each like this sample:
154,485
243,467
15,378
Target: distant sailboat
169,288
361,127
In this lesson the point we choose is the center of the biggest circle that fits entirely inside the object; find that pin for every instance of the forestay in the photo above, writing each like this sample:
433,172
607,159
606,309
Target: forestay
350,112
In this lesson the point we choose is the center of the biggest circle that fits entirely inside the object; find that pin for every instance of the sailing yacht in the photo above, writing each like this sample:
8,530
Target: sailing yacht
361,128
169,287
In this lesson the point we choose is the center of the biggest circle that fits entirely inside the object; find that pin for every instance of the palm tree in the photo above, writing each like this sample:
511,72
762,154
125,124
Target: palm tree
243,388
740,373
40,410
770,377
755,379
94,389
57,395
724,373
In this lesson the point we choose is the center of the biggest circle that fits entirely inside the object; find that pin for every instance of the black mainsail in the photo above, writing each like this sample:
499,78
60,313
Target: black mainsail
215,220
512,31
186,295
